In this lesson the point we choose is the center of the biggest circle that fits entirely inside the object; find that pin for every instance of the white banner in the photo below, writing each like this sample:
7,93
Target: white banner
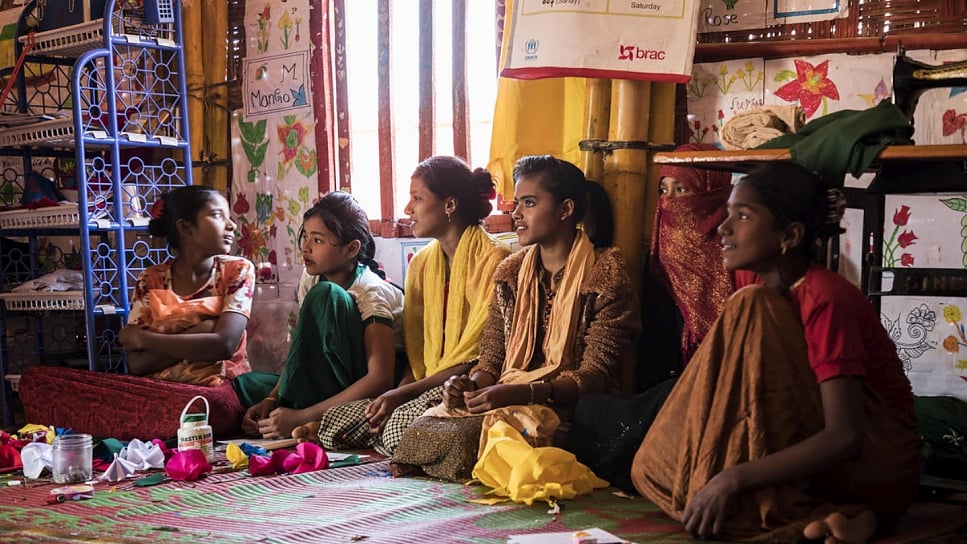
617,39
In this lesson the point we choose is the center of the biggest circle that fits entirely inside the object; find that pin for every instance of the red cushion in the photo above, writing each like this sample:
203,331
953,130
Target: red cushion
121,406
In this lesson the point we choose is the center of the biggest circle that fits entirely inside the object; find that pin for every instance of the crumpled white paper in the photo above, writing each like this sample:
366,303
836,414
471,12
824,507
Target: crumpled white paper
120,469
37,456
143,456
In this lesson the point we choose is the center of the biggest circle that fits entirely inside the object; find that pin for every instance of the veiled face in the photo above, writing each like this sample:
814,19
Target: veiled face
672,188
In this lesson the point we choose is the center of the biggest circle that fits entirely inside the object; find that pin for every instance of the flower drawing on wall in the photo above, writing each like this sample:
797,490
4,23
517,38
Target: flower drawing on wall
899,241
292,135
880,93
959,204
954,122
254,144
697,132
919,322
262,35
953,343
810,86
698,85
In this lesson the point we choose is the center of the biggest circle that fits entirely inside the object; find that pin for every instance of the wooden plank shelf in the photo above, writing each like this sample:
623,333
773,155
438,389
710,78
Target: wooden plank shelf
746,159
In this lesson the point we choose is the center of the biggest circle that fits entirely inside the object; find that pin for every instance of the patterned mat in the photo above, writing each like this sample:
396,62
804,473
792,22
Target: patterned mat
352,504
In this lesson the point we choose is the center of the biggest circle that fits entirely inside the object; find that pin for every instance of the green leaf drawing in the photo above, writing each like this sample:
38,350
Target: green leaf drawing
785,75
957,204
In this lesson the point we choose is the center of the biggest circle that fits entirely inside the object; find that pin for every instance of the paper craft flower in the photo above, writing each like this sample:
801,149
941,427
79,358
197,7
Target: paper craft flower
188,465
811,87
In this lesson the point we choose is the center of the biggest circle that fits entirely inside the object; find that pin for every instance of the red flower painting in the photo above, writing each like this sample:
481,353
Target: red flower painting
811,87
899,240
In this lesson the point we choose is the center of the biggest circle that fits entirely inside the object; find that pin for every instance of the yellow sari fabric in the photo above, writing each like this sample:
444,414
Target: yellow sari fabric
431,344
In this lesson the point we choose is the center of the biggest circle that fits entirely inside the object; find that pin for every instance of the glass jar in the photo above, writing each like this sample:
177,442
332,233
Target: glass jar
72,454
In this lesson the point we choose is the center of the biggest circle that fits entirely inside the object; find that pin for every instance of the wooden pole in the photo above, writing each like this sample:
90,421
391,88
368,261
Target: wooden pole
216,130
596,125
625,169
660,131
195,81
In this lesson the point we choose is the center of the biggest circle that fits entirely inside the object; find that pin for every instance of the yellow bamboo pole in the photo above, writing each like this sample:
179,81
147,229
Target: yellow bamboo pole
660,131
194,79
596,125
216,130
625,170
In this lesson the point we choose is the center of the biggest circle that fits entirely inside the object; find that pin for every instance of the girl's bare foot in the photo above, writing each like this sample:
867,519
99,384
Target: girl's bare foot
836,528
307,433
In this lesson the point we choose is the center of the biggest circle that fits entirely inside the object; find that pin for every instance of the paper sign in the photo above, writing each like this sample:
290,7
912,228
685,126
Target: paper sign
617,39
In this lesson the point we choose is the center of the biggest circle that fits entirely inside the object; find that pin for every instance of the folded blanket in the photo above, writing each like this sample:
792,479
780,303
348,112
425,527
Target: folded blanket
753,128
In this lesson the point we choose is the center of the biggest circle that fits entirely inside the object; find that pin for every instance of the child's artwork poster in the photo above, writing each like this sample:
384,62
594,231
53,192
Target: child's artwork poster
273,139
617,39
927,231
276,84
727,15
718,91
940,115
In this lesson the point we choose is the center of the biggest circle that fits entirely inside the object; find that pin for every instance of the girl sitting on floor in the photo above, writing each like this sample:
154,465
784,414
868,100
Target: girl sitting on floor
349,329
562,320
203,295
685,259
449,284
794,416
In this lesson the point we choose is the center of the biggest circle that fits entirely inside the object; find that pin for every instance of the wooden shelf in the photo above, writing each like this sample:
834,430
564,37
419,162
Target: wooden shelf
744,160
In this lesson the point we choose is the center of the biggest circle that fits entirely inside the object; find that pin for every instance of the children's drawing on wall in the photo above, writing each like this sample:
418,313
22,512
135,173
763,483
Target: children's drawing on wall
953,343
728,15
717,92
899,241
809,85
276,164
940,116
927,231
909,331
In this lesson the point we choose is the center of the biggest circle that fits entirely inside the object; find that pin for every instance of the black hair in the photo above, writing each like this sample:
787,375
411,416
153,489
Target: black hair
566,181
344,217
177,204
795,194
451,177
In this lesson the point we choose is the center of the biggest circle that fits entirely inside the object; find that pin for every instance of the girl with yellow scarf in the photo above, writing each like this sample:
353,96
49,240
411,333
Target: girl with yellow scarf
449,284
563,316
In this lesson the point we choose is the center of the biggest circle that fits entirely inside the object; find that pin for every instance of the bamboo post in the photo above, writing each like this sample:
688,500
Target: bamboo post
661,130
596,125
195,81
625,169
216,134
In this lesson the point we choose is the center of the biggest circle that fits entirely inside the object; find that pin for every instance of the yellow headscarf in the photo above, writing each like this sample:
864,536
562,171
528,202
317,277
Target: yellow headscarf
431,344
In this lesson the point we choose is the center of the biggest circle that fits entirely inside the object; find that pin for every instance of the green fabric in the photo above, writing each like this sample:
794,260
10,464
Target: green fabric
942,422
252,387
327,353
846,140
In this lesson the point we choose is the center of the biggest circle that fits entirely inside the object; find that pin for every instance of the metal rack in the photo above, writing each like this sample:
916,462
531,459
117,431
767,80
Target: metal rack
110,99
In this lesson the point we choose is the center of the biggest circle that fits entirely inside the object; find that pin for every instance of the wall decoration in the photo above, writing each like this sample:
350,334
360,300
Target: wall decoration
274,148
728,15
925,231
786,12
940,116
720,90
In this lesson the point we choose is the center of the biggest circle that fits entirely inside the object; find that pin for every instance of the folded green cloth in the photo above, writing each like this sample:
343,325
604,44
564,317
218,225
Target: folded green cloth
846,140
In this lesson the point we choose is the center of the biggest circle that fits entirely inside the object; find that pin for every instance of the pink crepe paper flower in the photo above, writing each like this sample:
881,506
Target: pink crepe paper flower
308,457
188,465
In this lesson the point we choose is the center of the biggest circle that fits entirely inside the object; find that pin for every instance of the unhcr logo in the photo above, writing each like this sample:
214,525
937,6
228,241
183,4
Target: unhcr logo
530,47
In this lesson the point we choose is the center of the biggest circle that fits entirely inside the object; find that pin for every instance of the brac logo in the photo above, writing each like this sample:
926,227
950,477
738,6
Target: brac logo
633,52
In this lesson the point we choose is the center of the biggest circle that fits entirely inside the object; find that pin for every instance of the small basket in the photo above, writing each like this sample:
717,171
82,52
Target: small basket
65,215
43,302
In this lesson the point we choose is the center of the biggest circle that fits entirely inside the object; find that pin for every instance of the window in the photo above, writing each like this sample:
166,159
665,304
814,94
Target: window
362,86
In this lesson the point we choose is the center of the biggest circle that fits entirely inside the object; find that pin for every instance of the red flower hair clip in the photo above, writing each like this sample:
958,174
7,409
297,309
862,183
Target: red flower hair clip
490,195
158,208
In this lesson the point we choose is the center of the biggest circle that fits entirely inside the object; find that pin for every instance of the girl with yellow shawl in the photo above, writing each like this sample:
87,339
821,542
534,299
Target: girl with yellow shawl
563,316
449,284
